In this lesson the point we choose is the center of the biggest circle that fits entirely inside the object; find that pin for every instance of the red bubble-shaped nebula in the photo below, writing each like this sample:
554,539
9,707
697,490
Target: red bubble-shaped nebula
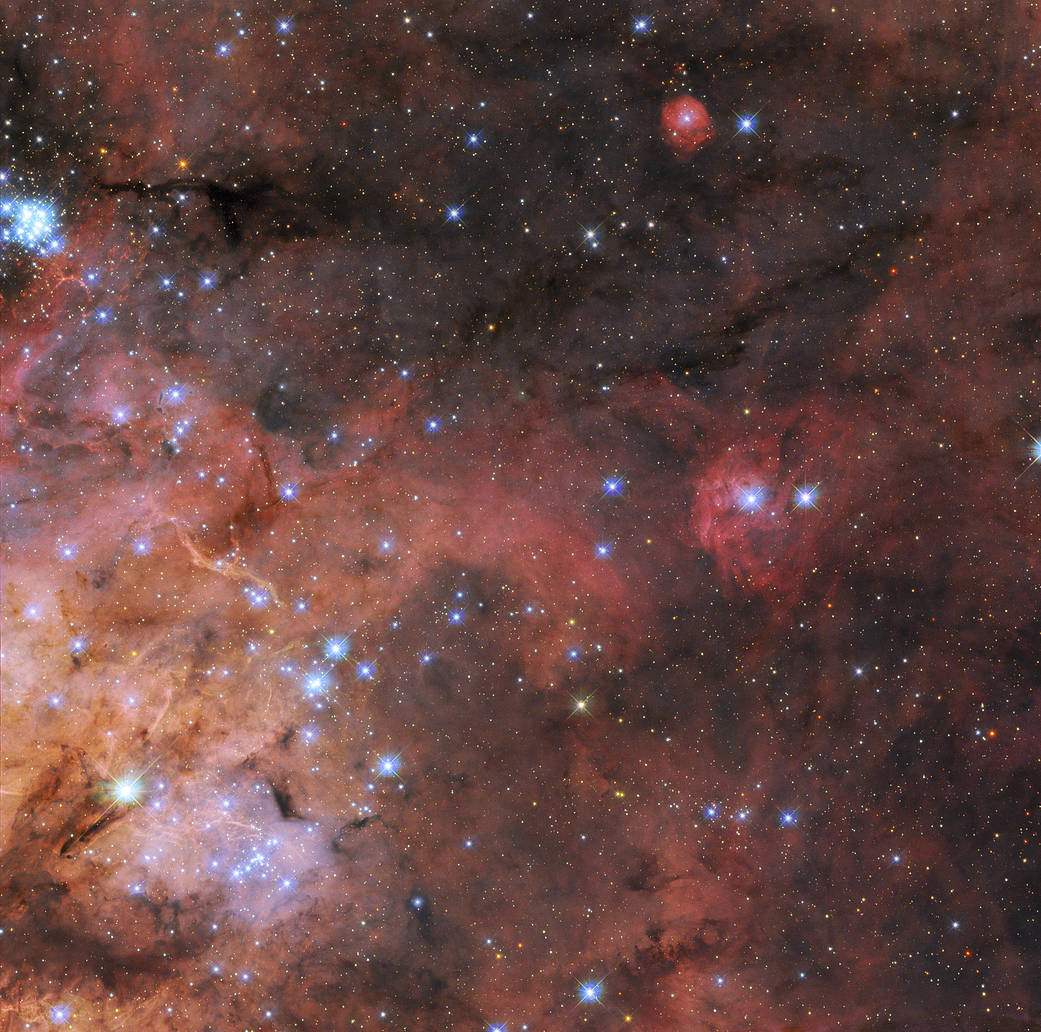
686,124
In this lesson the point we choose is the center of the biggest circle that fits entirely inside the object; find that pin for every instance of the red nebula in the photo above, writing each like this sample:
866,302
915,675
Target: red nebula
686,124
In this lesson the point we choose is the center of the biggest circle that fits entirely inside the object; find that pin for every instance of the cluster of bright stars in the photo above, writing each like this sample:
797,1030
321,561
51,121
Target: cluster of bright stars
786,819
30,225
317,682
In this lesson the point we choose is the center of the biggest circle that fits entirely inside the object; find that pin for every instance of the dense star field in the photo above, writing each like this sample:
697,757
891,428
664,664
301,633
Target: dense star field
520,517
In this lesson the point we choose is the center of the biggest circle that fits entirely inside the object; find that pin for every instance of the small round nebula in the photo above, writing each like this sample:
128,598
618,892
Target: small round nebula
686,124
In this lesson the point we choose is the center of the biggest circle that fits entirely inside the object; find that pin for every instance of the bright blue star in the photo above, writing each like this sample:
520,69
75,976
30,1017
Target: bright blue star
207,281
315,684
389,766
746,123
288,492
590,992
454,214
60,1014
641,25
433,426
284,26
474,140
336,648
711,812
365,671
614,487
750,499
603,550
789,818
78,646
806,497
456,616
223,49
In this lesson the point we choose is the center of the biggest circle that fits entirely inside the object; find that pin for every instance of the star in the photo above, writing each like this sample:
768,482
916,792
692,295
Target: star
750,499
315,683
336,649
806,497
126,790
389,766
590,992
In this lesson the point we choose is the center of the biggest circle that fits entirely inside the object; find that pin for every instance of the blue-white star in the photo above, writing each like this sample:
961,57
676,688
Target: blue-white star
590,992
389,766
336,649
